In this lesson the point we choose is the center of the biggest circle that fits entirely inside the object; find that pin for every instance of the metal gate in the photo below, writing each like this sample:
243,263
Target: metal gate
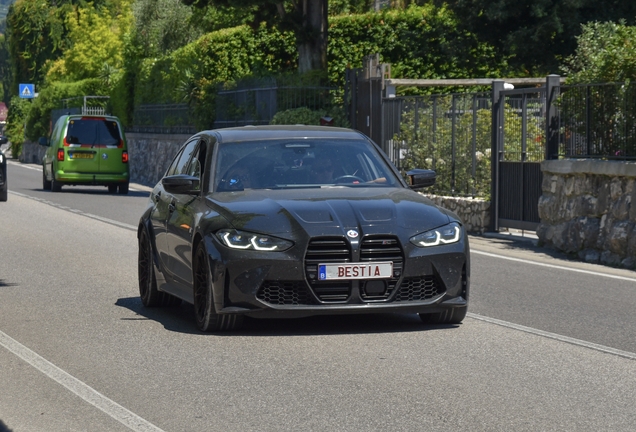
519,127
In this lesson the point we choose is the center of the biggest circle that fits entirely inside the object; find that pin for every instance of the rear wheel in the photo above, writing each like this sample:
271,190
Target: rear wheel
56,186
4,193
204,311
46,184
123,189
449,316
148,292
112,189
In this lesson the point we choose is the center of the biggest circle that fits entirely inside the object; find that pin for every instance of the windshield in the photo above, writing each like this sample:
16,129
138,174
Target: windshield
300,163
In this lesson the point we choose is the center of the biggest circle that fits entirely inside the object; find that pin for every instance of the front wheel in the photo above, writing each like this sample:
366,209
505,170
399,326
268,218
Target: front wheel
148,292
204,311
4,193
449,316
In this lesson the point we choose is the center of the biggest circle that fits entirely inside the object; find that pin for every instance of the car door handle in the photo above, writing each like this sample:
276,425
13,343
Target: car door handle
171,207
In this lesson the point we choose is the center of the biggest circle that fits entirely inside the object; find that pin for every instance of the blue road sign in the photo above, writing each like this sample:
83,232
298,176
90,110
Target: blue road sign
27,91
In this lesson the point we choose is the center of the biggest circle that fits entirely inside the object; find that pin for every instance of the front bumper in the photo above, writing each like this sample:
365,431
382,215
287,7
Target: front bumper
279,284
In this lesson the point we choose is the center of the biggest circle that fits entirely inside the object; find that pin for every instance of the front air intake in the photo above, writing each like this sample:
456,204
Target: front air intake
327,250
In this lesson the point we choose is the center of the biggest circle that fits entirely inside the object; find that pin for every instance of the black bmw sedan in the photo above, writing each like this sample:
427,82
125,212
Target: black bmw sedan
292,221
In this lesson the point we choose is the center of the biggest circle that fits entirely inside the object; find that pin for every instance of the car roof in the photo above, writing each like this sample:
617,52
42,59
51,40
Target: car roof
81,116
250,133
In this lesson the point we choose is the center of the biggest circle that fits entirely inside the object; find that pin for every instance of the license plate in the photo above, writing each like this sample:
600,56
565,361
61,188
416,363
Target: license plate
81,155
376,270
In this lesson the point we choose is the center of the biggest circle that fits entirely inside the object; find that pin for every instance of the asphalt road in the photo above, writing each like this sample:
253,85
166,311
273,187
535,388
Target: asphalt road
549,344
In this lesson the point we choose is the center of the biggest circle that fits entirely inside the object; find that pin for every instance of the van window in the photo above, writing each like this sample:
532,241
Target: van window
93,131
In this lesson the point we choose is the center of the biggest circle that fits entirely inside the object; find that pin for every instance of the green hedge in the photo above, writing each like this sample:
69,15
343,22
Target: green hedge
419,42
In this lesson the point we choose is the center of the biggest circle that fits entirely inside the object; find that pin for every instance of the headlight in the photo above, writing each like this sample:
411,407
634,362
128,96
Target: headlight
450,233
1,157
244,240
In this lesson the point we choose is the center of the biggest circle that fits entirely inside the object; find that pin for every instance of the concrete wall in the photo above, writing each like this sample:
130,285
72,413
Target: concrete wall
150,155
586,209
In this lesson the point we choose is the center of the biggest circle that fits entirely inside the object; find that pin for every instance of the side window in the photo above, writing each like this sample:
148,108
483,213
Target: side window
188,151
180,161
173,165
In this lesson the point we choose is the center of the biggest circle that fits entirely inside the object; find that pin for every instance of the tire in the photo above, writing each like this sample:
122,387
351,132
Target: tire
449,316
204,312
56,186
4,193
46,184
148,292
112,189
123,189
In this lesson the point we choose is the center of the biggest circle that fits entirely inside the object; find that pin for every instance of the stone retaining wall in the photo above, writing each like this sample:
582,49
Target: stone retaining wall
585,209
474,212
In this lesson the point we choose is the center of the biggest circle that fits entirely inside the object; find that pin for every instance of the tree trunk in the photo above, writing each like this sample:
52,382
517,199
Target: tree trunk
312,39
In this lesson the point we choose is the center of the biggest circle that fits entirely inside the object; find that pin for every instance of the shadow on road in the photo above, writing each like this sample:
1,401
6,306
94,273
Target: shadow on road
181,319
3,427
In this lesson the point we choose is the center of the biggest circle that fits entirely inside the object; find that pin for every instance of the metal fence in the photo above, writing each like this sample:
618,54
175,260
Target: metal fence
257,103
450,134
164,118
597,121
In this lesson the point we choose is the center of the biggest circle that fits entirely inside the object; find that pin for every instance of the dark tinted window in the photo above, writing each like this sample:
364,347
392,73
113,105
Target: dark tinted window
98,131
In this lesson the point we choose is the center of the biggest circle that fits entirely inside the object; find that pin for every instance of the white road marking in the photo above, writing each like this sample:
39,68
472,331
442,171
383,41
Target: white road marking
573,341
88,394
478,252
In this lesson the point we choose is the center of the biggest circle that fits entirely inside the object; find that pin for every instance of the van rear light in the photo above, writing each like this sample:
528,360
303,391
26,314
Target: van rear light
60,154
124,157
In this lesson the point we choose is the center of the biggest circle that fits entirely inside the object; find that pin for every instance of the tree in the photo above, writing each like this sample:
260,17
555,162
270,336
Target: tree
606,52
308,19
537,34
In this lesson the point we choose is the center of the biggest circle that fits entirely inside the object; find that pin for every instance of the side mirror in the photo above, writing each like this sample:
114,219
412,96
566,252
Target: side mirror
181,184
421,178
3,140
43,141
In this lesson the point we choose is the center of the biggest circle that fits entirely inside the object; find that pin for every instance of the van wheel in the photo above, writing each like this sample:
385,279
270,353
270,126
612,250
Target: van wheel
112,189
46,184
4,194
123,189
56,186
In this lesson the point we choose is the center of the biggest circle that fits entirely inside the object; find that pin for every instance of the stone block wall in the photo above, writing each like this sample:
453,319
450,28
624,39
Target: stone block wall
586,209
474,212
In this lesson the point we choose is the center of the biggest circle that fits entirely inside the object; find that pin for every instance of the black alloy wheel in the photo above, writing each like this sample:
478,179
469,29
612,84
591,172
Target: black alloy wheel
204,311
148,292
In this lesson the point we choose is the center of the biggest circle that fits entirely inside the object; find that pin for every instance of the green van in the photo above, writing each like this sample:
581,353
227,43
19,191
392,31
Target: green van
86,150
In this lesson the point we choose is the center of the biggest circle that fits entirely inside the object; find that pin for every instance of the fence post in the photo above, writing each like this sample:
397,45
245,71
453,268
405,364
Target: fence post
495,146
552,91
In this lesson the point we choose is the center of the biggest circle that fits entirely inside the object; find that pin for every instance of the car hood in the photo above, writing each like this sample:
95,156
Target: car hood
330,211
